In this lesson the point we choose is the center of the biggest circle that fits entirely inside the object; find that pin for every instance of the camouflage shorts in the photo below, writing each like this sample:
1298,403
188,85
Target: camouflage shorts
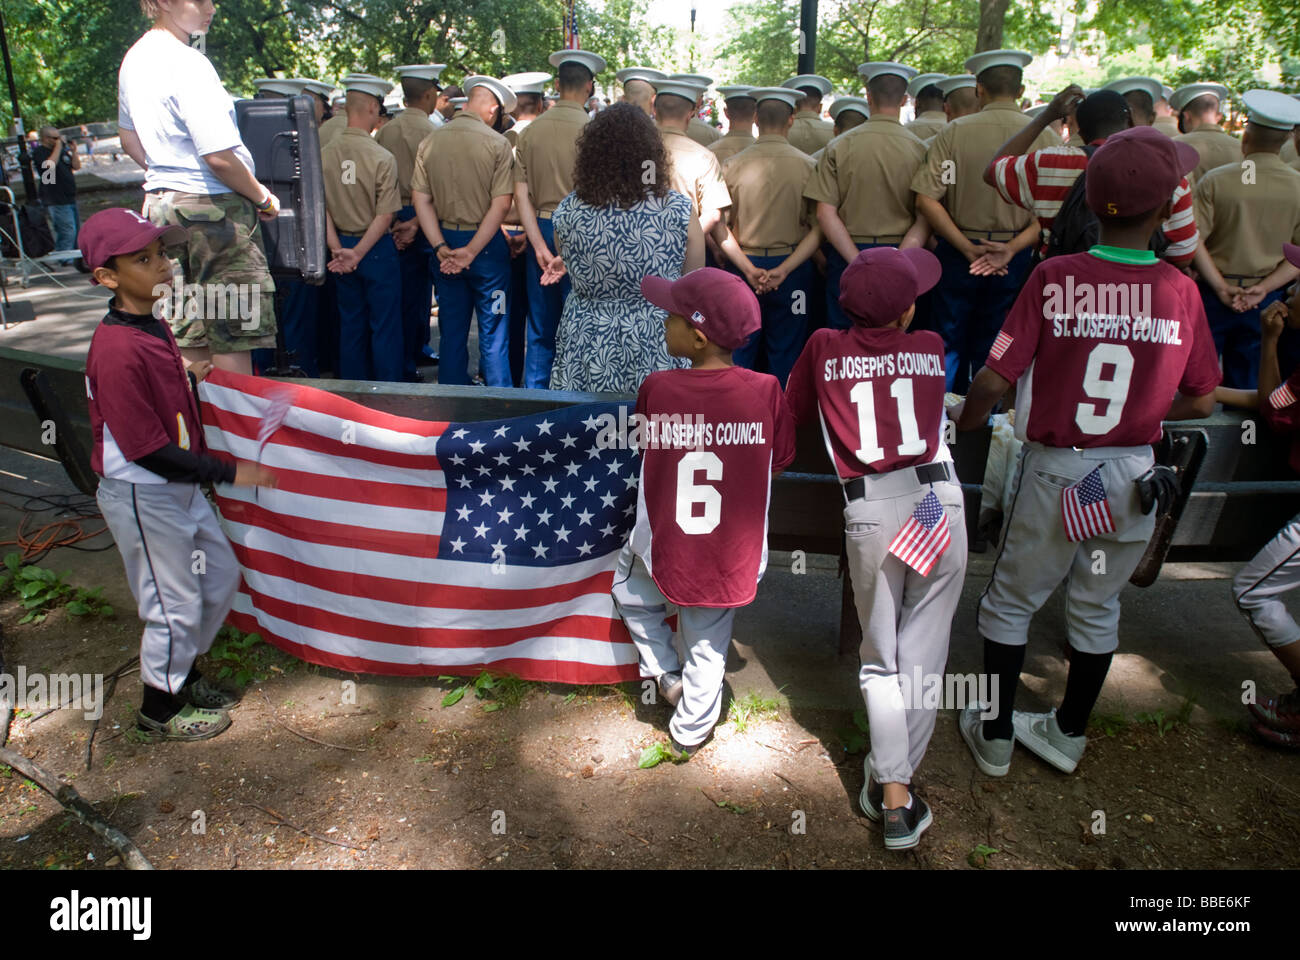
228,302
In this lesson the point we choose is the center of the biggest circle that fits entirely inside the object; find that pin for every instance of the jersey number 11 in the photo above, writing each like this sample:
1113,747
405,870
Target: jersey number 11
864,397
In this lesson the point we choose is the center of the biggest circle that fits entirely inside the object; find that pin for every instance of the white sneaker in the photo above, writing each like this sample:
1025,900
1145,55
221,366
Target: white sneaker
993,757
1042,735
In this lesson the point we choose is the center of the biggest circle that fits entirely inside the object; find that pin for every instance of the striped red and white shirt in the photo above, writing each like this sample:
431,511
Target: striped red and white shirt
1040,181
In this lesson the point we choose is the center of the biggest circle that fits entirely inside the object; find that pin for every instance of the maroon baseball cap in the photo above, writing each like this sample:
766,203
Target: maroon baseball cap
1292,253
1137,170
882,282
116,231
717,303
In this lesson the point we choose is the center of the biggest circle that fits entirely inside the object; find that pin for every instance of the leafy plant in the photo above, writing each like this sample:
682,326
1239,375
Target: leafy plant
750,709
657,753
855,738
978,858
40,590
1165,724
1109,723
504,690
242,657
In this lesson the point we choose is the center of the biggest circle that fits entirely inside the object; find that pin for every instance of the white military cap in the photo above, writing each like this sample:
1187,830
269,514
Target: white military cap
1035,111
505,96
377,88
698,79
458,103
532,82
923,80
736,91
1166,92
809,80
318,87
421,71
786,95
591,61
882,68
1268,108
648,74
285,88
678,88
1189,92
998,58
1149,85
856,104
949,84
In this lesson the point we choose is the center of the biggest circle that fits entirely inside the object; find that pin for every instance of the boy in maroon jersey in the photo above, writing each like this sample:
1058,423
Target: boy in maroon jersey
1103,346
150,457
712,437
878,392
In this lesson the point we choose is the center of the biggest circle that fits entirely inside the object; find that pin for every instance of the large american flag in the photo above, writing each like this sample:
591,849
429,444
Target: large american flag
1085,509
402,546
924,537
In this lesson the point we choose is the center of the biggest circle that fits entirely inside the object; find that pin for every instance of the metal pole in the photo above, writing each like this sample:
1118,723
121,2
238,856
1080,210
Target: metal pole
807,36
24,161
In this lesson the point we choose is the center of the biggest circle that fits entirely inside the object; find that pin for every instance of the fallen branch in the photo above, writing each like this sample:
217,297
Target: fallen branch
110,689
299,733
75,804
306,833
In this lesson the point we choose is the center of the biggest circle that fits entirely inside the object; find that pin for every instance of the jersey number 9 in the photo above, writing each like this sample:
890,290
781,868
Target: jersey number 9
1114,391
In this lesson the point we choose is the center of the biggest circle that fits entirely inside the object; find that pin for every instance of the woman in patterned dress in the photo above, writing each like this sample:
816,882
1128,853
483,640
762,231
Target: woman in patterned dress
621,223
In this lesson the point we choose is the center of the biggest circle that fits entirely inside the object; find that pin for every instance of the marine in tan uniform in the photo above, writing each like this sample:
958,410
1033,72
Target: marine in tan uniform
862,186
695,170
1141,94
702,133
1057,126
545,158
775,235
960,98
810,132
1245,212
462,189
361,196
1199,109
1165,120
332,127
972,221
847,113
739,107
638,86
927,98
402,137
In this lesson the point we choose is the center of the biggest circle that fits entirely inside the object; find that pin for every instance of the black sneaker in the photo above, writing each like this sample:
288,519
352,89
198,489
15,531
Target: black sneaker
904,826
680,749
873,794
208,696
670,687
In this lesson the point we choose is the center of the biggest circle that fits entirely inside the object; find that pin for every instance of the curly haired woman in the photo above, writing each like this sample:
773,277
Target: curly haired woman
621,223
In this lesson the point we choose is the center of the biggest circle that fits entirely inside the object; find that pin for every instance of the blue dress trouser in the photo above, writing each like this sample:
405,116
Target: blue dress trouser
1236,339
370,315
785,320
545,304
301,306
483,288
836,318
520,310
417,295
969,310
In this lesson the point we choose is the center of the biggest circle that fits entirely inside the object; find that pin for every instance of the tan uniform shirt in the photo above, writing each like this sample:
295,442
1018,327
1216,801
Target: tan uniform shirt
766,184
332,127
546,153
1243,225
953,171
463,165
402,137
927,124
1214,146
360,180
1167,125
702,133
810,132
730,145
696,172
867,174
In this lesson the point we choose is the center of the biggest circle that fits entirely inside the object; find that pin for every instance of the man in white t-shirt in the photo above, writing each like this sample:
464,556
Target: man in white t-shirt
177,121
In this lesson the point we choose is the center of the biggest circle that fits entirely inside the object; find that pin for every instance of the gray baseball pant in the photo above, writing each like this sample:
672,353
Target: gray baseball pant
906,618
182,595
1259,585
705,636
1035,556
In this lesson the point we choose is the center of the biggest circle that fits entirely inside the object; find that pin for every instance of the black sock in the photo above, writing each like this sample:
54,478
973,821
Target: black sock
159,705
1082,687
194,676
1004,661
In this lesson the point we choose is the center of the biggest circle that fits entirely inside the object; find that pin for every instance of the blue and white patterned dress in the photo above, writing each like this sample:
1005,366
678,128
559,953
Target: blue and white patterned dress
610,338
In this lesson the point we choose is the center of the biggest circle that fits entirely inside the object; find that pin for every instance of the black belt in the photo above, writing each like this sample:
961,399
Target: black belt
856,488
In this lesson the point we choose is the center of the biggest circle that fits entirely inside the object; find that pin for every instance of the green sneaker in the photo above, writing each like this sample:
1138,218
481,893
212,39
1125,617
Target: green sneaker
190,723
207,695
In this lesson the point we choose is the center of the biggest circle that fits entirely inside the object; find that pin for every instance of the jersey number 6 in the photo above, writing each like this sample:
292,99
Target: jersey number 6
689,493
1114,390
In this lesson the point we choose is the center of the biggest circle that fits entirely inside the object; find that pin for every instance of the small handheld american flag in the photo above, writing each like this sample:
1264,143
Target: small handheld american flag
924,537
281,399
1085,510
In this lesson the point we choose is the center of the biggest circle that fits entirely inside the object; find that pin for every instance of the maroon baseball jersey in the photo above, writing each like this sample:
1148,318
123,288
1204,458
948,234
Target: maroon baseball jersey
1100,347
1281,409
139,397
710,440
880,393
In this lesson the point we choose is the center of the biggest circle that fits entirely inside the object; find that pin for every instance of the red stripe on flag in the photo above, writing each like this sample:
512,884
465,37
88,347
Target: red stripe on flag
329,534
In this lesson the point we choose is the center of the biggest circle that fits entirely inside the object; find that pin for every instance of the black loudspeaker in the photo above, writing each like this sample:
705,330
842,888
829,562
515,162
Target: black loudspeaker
280,133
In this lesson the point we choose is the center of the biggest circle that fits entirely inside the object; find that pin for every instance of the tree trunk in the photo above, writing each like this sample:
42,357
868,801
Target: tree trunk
993,13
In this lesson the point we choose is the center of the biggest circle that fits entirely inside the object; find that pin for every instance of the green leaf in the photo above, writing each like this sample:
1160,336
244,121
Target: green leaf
47,575
106,611
13,560
33,603
30,588
453,698
654,755
570,698
860,720
852,740
27,619
492,705
984,850
78,609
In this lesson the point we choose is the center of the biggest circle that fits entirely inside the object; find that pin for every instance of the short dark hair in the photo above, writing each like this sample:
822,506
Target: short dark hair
931,93
772,113
888,90
1001,81
742,107
847,120
572,76
1270,138
413,88
528,102
669,106
1101,114
1141,104
1202,104
613,151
